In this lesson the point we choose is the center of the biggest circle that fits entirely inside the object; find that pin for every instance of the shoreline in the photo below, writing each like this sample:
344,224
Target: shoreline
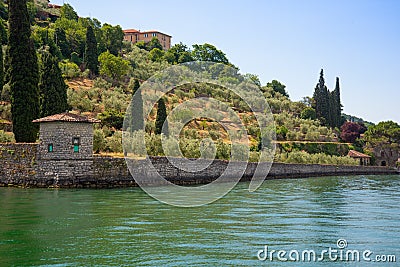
109,172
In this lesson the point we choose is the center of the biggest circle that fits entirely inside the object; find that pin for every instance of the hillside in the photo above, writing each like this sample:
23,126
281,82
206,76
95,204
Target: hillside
123,66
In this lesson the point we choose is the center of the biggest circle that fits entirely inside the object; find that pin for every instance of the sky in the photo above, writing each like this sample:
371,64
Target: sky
286,40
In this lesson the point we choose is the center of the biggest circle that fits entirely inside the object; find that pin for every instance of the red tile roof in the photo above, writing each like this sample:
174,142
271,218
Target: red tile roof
152,31
356,154
131,31
66,116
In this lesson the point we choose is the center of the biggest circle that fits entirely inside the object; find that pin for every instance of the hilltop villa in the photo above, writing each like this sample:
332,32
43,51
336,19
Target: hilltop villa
135,36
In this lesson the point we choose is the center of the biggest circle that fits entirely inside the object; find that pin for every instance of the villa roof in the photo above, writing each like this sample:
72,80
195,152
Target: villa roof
151,31
67,117
356,154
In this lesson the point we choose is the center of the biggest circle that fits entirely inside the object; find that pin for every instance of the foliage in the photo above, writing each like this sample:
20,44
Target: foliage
112,66
327,104
156,54
135,115
68,12
111,39
112,118
302,157
179,53
69,69
24,74
154,43
91,55
161,117
278,87
350,131
99,142
308,114
52,88
208,52
333,149
387,132
6,137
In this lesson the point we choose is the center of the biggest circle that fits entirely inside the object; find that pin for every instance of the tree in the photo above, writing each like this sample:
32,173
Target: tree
387,132
179,53
112,66
278,87
24,74
350,131
61,42
308,114
156,54
136,111
91,56
154,43
161,117
336,106
208,52
1,69
112,37
322,99
68,12
52,88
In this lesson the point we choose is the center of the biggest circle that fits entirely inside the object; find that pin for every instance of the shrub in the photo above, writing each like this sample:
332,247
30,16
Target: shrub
69,69
6,137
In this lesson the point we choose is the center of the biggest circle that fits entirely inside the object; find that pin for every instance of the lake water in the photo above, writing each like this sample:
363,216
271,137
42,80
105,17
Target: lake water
125,227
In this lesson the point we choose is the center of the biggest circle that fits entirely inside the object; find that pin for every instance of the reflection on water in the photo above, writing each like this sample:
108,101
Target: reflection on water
126,227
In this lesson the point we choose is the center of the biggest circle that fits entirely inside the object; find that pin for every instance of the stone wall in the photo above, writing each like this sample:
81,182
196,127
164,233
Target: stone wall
17,163
21,167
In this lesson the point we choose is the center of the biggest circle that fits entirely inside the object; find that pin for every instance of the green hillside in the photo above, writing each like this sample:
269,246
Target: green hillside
306,131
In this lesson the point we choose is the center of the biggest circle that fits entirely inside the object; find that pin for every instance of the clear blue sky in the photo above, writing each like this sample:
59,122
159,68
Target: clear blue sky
358,41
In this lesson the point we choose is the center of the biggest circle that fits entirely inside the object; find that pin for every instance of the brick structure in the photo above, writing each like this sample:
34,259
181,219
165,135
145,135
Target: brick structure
135,36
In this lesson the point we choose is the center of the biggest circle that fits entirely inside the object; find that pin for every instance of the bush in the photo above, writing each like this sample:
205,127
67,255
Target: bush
6,137
308,114
69,69
112,118
302,157
99,141
114,143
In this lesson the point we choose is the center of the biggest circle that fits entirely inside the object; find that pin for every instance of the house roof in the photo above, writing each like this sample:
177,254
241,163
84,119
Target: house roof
356,154
151,31
67,117
131,31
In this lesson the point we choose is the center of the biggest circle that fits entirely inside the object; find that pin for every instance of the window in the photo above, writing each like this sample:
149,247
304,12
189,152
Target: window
146,35
154,34
76,141
50,148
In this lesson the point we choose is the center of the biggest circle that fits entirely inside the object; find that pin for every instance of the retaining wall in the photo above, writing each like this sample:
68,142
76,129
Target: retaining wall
20,166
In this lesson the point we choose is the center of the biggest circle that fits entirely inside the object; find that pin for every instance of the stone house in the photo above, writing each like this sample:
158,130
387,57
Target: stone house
66,145
387,155
364,159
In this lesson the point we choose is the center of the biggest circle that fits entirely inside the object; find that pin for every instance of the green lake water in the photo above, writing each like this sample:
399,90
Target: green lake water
125,227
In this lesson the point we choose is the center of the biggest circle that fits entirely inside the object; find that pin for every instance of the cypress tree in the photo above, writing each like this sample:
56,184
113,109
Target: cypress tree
161,117
322,99
52,88
1,69
136,111
62,43
24,74
337,105
91,55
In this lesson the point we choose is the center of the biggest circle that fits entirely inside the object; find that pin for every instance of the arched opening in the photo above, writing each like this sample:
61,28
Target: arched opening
383,163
